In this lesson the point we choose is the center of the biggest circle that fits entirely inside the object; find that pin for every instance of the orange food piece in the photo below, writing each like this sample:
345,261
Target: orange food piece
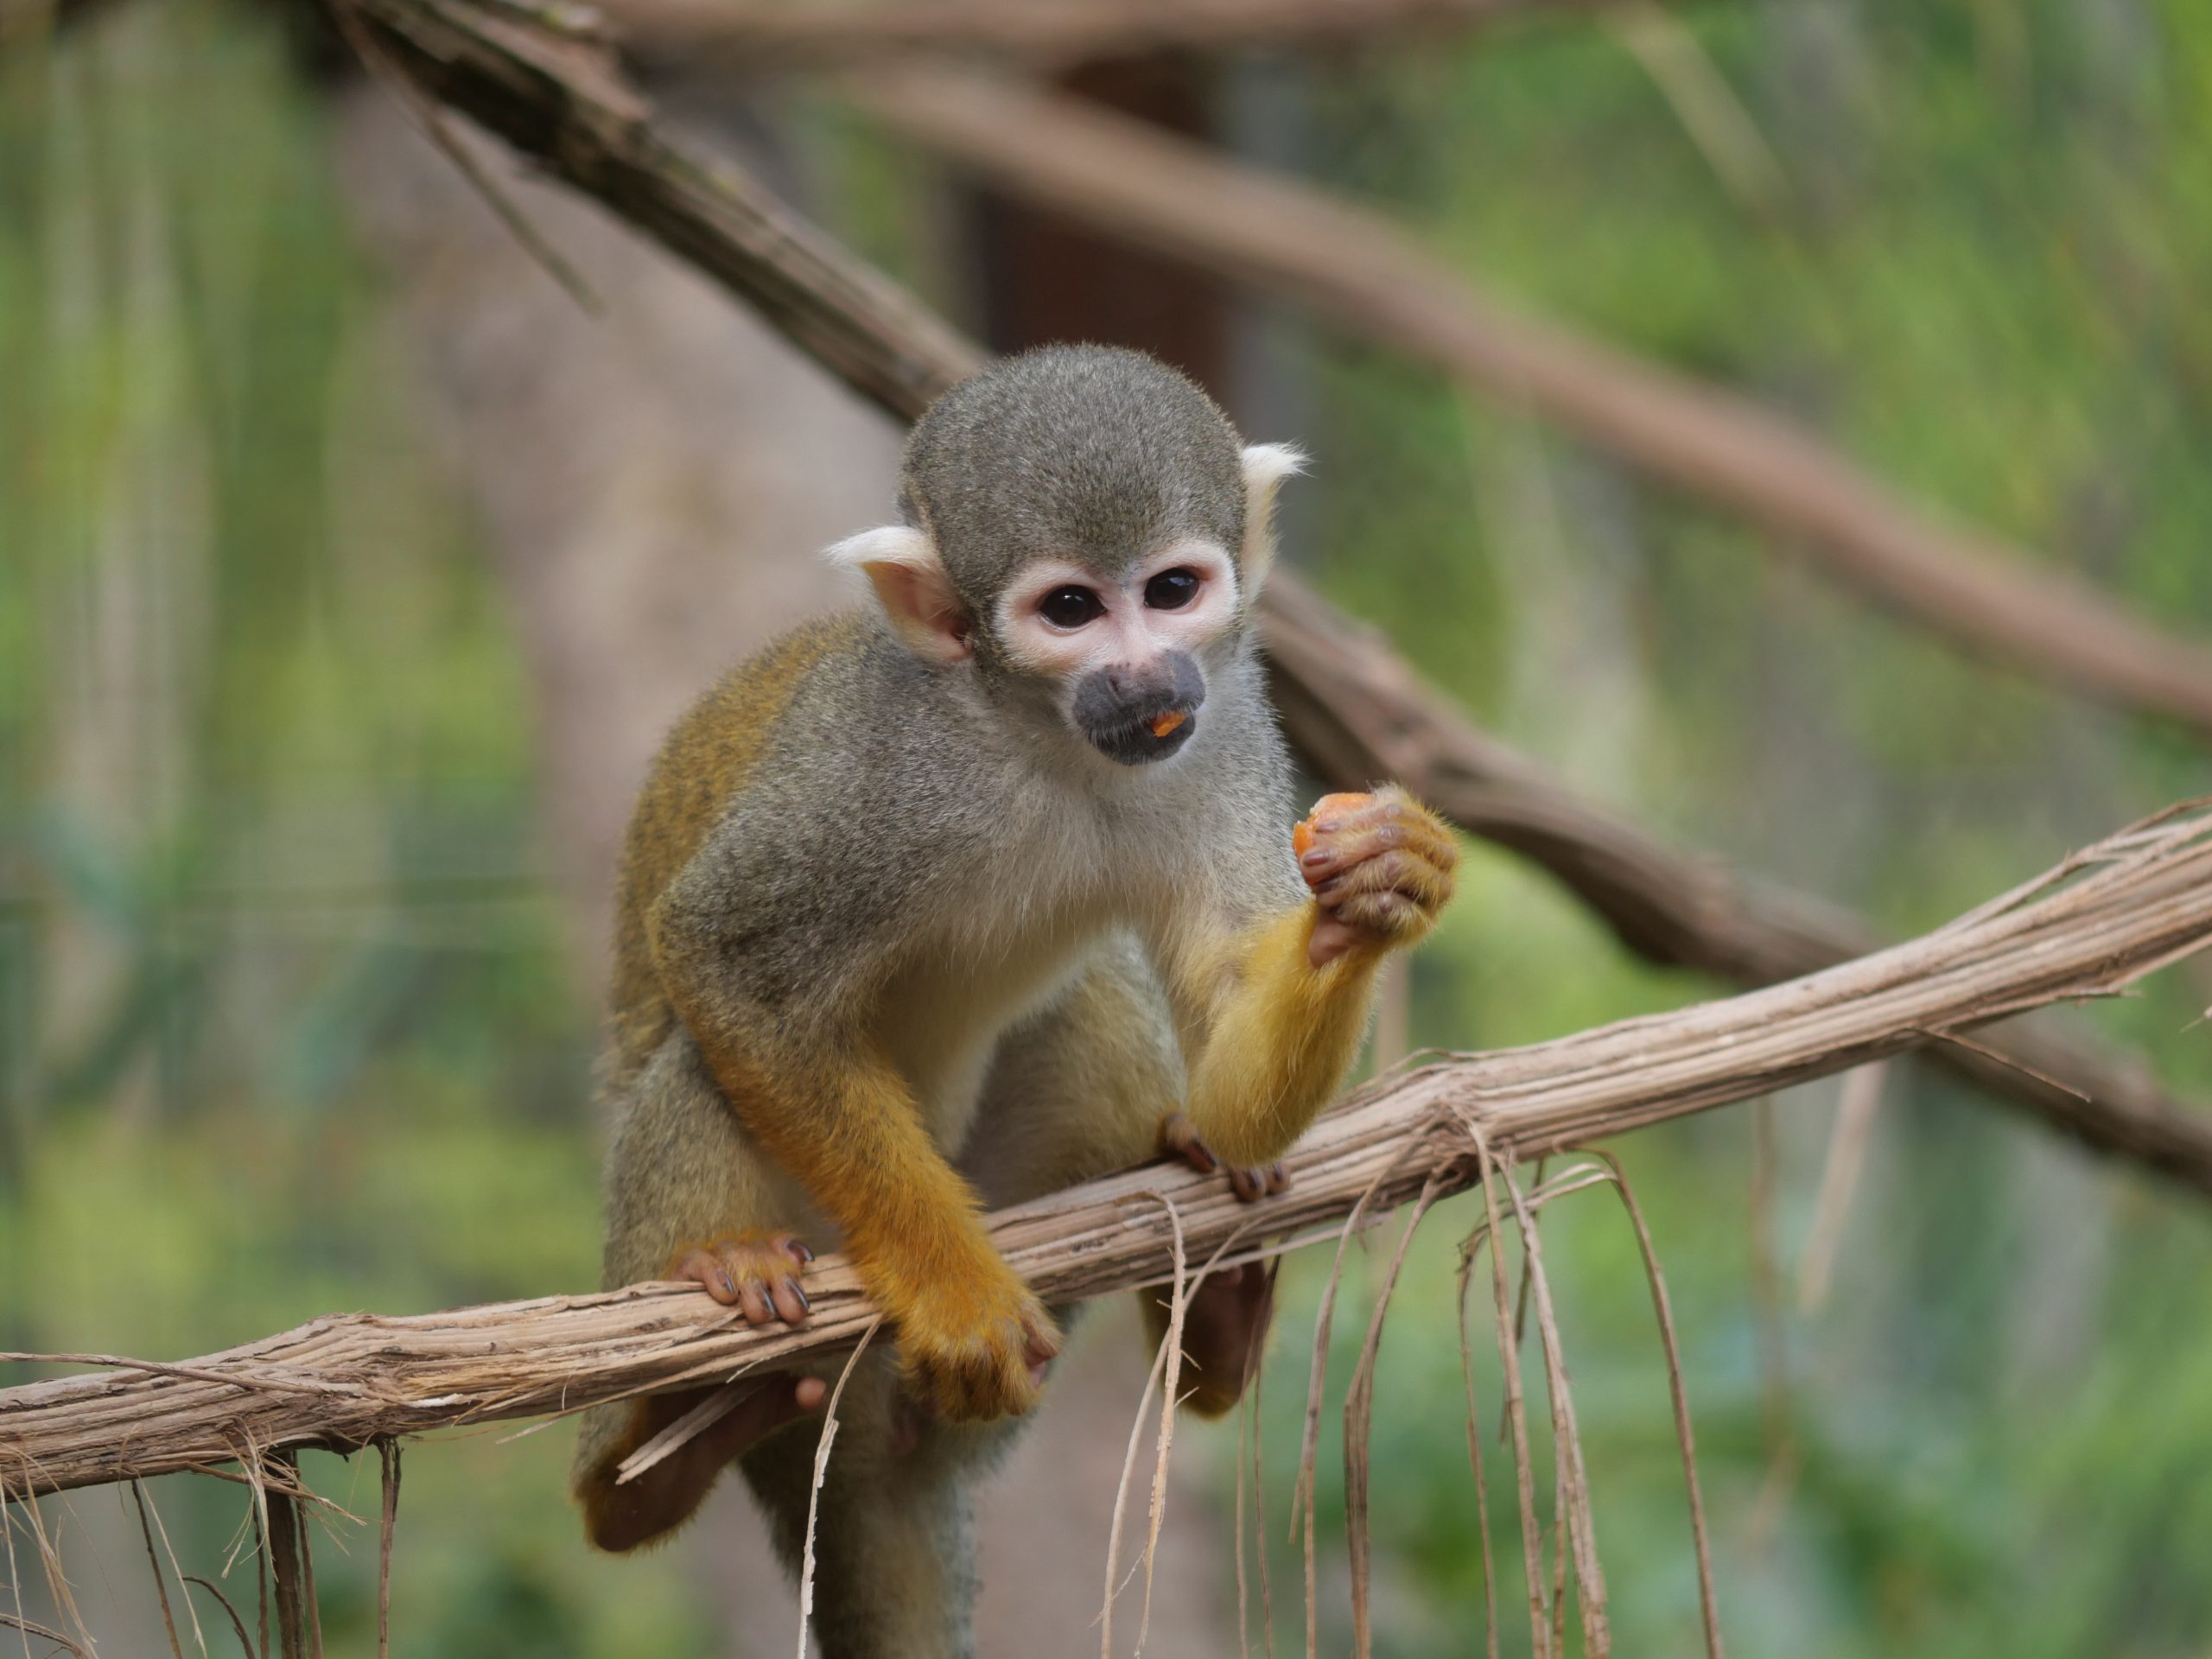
1163,724
1301,835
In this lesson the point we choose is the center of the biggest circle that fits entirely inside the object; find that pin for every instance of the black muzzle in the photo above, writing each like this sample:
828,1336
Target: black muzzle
1135,713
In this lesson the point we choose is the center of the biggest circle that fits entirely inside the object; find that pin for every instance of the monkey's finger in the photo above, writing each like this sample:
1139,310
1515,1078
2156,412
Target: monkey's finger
792,1247
1397,872
1178,1138
791,1306
1390,918
707,1271
1278,1180
1248,1185
1040,1348
754,1301
1374,837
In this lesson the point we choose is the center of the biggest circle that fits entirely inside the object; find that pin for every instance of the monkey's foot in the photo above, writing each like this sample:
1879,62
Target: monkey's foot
1380,867
755,1272
1224,1333
1179,1140
621,1514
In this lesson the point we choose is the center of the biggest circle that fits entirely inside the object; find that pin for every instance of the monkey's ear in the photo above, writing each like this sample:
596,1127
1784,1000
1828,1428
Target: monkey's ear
1266,466
911,585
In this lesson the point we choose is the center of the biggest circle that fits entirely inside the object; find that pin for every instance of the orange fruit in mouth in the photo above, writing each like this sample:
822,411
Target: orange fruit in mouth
1163,724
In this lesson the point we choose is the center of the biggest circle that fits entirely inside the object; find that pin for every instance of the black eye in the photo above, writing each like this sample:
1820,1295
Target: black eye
1171,590
1070,607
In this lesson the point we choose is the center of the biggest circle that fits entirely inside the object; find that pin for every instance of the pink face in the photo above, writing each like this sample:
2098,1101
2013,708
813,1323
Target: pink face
1063,621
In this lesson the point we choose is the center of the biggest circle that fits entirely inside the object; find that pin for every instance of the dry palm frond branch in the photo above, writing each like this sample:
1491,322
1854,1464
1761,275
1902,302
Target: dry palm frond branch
1355,712
2088,928
1367,276
774,35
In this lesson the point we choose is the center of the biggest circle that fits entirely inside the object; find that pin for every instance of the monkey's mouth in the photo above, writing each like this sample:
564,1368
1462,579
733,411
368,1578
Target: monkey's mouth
1151,737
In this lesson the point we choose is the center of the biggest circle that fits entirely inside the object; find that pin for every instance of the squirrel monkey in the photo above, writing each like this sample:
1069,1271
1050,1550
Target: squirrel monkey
985,890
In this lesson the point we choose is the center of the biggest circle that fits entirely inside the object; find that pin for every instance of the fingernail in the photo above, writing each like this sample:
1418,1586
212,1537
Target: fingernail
1318,857
792,1286
800,1250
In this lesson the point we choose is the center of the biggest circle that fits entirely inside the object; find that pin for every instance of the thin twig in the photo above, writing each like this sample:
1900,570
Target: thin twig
1113,1587
192,1612
1260,1490
1846,1156
820,1474
1179,1306
1359,1425
1516,1414
161,1584
245,1643
1577,1517
44,1633
388,1455
1468,1252
431,119
1709,1596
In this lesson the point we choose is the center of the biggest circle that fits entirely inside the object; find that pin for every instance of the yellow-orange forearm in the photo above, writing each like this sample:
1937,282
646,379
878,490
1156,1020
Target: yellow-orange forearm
1281,1040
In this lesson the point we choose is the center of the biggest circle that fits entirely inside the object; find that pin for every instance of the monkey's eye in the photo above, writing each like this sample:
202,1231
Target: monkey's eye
1171,590
1070,607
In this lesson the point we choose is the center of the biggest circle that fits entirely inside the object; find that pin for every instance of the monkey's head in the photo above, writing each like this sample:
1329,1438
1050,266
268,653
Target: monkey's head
1085,533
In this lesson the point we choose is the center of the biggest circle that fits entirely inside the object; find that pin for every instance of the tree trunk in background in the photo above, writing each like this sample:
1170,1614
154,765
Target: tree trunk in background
652,484
1044,277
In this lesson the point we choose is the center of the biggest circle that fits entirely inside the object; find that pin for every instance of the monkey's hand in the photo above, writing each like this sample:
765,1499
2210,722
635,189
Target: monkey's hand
756,1272
973,1340
1179,1139
1380,867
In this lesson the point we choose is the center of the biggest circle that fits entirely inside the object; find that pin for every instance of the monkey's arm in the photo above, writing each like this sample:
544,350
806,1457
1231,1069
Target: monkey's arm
1273,1011
804,1077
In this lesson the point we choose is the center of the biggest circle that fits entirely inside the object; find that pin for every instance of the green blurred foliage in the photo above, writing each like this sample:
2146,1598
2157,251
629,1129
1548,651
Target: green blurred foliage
286,1024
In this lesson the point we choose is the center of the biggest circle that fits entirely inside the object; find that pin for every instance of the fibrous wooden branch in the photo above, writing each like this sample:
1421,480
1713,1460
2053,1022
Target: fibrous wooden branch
753,35
2093,925
1367,276
1355,711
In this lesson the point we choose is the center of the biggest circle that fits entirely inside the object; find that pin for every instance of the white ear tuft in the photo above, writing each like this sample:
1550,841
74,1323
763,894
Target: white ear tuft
1266,466
886,545
917,598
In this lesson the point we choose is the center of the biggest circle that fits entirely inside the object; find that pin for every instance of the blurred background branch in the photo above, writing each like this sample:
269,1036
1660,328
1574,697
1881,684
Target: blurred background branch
1358,271
752,36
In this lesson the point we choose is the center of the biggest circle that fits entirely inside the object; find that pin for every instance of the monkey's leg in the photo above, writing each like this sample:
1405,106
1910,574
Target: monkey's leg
689,1196
1094,1083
